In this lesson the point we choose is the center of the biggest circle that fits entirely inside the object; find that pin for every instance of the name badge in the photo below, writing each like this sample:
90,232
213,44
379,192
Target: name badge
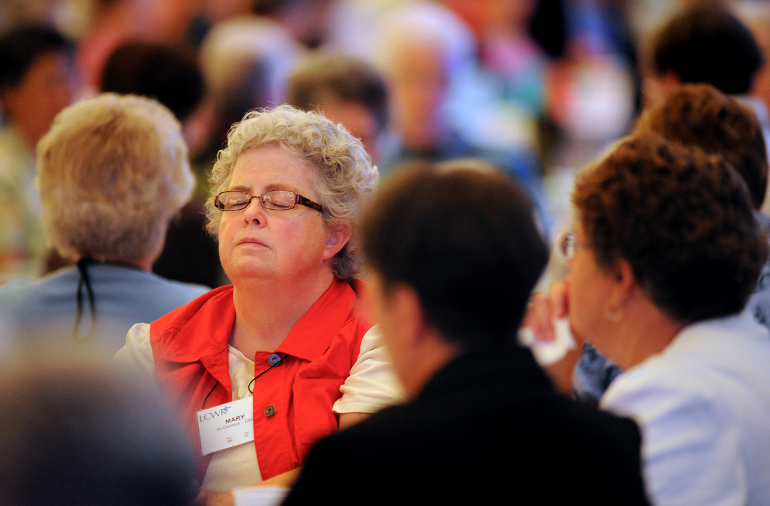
227,425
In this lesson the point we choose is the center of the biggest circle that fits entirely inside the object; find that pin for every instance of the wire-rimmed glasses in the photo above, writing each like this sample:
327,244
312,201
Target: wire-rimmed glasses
277,200
568,245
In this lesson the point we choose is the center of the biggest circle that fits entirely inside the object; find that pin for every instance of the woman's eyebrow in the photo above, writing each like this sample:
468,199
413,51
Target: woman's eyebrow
270,187
281,186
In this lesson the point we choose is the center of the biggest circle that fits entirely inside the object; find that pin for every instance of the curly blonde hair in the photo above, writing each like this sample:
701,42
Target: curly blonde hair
112,171
343,172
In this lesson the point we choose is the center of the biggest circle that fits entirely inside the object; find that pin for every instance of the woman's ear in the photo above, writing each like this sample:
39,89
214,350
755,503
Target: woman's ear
625,283
338,238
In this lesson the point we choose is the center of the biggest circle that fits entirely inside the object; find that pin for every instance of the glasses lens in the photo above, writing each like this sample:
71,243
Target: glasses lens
232,201
568,246
279,200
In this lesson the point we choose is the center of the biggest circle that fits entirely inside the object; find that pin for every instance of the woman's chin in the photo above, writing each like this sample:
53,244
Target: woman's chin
249,268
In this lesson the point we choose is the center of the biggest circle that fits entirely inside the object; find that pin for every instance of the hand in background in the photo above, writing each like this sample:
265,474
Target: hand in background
544,308
541,314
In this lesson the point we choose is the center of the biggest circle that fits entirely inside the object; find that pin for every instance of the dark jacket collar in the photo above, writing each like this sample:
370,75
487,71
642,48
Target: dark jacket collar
483,367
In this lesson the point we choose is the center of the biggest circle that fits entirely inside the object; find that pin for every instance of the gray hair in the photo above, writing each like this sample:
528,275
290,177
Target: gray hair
343,173
112,171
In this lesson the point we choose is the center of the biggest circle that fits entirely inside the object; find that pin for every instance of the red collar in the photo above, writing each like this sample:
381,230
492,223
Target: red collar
313,333
213,315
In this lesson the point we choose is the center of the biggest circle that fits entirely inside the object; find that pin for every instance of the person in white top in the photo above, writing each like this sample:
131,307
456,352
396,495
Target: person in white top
665,254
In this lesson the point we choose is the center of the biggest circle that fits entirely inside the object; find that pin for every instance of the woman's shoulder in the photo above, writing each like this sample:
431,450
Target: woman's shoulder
695,406
676,390
642,390
702,360
136,354
204,324
212,301
25,299
177,292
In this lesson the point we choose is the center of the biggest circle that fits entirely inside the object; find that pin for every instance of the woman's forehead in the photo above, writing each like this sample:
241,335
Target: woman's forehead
270,165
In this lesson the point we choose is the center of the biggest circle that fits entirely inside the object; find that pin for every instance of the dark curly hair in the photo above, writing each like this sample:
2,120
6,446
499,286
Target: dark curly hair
700,115
681,218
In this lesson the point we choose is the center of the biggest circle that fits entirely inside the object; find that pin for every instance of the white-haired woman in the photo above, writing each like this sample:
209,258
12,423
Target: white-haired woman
285,195
113,171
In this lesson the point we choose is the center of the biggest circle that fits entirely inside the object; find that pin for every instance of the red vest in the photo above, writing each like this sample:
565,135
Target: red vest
293,401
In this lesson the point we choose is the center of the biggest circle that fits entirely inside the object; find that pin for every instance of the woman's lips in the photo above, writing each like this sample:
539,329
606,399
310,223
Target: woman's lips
251,242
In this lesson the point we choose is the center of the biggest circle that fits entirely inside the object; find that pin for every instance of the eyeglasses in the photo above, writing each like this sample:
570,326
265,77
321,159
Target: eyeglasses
277,200
568,245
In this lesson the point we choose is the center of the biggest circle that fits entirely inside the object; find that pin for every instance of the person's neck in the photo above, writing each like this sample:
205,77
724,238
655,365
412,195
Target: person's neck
267,310
432,354
144,264
644,331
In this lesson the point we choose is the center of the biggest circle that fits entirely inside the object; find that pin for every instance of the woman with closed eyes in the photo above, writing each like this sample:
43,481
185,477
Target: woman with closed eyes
288,333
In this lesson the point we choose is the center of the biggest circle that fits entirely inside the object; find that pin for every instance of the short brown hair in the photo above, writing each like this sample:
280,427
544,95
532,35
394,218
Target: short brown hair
706,43
681,218
465,239
702,116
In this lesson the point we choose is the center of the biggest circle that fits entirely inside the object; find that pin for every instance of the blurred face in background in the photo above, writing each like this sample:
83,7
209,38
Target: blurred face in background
358,120
418,79
47,87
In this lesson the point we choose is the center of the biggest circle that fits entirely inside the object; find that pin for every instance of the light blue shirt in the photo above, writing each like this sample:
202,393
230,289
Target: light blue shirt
39,310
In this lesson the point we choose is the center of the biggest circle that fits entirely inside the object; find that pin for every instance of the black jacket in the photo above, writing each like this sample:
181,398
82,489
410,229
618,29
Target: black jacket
488,425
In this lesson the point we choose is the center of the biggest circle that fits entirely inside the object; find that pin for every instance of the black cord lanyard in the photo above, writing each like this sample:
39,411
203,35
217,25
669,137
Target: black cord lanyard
85,280
275,360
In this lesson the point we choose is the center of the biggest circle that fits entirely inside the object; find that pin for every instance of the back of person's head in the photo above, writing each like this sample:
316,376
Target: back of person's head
465,239
707,44
20,47
113,171
327,77
247,60
683,221
700,115
83,434
168,74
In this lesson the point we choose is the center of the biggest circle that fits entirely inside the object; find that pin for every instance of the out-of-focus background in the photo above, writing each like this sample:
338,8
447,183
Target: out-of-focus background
538,87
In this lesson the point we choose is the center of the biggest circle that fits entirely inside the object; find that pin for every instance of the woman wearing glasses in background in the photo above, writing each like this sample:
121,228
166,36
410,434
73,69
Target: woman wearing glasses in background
665,254
286,192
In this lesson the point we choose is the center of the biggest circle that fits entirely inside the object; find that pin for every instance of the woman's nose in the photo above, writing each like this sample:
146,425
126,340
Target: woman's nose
255,211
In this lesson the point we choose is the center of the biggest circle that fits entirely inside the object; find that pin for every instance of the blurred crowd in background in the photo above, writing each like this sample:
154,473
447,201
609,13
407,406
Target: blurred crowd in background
537,87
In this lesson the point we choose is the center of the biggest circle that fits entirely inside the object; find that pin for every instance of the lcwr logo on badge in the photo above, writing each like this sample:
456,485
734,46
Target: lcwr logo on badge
226,426
213,413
